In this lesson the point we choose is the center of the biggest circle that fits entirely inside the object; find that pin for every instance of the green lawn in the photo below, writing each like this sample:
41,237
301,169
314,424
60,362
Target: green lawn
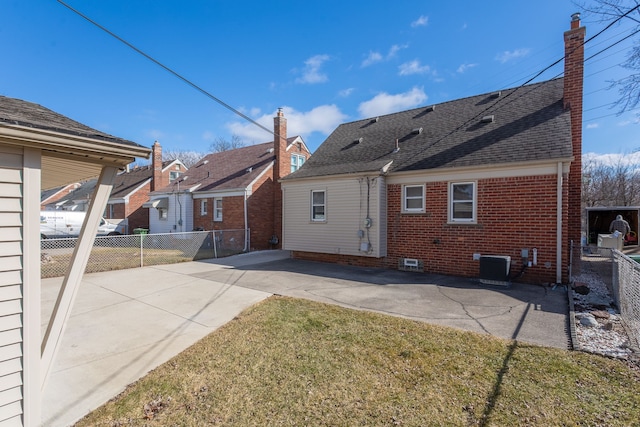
290,362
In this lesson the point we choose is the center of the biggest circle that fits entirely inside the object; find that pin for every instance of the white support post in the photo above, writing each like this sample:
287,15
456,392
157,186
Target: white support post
71,283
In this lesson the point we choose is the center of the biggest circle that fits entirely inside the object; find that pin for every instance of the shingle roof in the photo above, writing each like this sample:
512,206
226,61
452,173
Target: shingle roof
84,191
18,112
530,123
126,182
230,169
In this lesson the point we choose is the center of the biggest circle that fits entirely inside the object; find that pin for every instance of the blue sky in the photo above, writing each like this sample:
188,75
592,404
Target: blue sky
325,62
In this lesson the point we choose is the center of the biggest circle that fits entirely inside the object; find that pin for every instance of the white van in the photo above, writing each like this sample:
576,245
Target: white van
68,224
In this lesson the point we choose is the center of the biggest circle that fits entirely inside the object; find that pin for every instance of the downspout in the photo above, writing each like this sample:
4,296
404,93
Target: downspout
246,224
559,235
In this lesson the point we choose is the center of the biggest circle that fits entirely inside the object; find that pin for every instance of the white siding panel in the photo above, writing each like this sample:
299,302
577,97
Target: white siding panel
10,381
10,219
8,160
11,263
10,412
12,321
10,248
8,234
10,396
12,204
10,278
10,292
11,336
10,175
346,208
9,366
10,352
10,189
10,307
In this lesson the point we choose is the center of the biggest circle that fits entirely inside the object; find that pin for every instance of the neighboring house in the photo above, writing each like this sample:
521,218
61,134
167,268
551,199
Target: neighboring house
130,191
133,186
51,196
77,199
40,149
232,190
434,188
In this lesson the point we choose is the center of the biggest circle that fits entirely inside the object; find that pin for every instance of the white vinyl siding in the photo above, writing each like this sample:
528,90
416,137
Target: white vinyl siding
346,210
11,287
179,216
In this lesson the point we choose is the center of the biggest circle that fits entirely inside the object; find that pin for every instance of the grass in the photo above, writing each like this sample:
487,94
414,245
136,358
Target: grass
295,362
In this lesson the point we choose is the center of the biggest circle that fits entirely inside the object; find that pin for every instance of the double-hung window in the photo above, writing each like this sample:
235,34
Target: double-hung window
318,205
203,207
217,209
297,161
462,202
413,198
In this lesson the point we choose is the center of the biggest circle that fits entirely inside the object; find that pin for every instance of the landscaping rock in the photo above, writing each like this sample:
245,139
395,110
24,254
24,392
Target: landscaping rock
589,321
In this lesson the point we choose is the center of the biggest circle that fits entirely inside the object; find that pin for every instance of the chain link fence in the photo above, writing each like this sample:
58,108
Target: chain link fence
626,290
139,250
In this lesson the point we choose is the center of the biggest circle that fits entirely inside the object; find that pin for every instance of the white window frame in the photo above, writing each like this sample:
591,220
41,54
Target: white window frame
217,209
313,205
406,198
473,201
163,214
297,160
203,207
173,175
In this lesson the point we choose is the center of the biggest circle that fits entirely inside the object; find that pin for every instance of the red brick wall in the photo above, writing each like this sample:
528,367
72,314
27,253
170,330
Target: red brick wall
512,213
359,261
138,217
232,214
261,213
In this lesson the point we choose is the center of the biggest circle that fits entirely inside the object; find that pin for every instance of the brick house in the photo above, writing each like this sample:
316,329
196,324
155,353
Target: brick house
132,187
48,198
436,188
233,190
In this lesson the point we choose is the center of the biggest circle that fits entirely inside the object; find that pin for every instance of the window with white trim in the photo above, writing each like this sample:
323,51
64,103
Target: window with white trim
173,175
163,214
217,209
318,205
462,202
413,198
297,160
203,207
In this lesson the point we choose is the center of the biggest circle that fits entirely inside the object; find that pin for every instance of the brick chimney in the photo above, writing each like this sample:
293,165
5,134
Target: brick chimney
156,163
573,88
280,144
279,170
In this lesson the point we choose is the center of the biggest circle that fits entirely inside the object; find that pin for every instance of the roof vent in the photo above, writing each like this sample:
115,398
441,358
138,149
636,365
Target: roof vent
270,150
249,170
488,119
430,108
395,150
375,120
417,131
358,141
496,94
184,178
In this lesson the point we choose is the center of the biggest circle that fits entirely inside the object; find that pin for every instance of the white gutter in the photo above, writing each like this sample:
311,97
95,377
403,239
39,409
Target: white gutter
559,235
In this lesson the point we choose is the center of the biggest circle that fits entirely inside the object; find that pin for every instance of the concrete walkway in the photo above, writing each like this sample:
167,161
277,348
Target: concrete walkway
125,323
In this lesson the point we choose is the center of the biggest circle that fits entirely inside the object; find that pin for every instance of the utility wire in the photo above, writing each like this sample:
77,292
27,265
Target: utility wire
184,79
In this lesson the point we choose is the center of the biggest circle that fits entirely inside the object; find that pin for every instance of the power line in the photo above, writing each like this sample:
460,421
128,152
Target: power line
155,61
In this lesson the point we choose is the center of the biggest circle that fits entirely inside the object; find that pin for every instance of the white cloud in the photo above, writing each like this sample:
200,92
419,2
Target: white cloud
323,119
420,22
375,57
311,73
413,67
464,67
507,55
372,58
344,93
632,159
384,103
593,125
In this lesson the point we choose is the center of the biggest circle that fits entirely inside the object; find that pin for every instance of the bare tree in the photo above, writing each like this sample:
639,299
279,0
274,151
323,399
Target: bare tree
188,158
610,11
221,144
610,184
